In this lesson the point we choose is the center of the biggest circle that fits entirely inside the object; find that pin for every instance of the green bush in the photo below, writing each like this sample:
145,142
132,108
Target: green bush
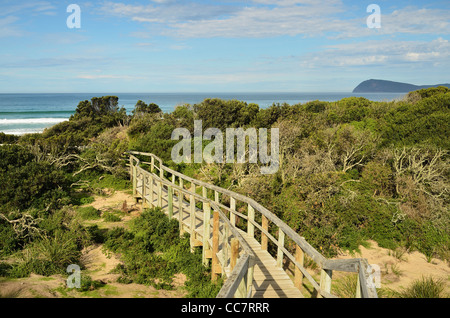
149,259
47,256
87,284
88,213
426,287
27,182
425,122
110,217
8,139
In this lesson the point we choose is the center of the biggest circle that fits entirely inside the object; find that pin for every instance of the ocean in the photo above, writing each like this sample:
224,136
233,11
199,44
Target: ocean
29,113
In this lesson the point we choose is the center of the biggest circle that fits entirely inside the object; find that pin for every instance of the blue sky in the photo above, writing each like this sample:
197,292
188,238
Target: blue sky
220,46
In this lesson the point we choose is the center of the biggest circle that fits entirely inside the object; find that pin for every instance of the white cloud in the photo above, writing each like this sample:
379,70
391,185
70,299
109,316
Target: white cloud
268,18
108,76
260,22
7,28
257,19
166,12
9,16
380,52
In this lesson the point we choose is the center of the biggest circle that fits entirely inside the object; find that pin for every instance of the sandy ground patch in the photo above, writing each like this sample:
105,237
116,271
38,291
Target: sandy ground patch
98,266
399,270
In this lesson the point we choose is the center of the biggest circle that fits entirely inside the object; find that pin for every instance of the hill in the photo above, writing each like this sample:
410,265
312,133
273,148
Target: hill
382,86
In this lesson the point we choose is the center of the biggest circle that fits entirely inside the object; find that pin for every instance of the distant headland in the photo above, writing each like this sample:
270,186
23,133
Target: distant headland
382,86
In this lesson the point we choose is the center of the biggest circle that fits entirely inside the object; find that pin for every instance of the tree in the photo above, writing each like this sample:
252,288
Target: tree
142,108
349,147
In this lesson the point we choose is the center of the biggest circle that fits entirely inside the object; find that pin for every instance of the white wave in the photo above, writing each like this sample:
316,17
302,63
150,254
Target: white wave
20,131
5,121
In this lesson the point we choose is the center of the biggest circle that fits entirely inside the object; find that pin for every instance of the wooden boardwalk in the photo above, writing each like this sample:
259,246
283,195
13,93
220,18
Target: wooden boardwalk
270,281
210,215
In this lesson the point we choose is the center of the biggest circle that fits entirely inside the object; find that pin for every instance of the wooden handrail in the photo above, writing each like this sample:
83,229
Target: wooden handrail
360,266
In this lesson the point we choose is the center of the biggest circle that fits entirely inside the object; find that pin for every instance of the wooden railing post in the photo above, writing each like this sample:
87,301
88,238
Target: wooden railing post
131,168
151,191
216,196
250,272
251,219
325,280
234,253
241,292
206,231
264,238
232,208
192,217
215,266
144,189
225,248
152,166
159,198
280,245
170,202
134,181
180,211
358,288
299,258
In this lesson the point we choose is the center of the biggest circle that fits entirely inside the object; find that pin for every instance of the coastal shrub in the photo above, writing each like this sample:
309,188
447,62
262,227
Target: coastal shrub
152,252
426,287
110,217
266,117
316,106
89,120
88,213
184,115
377,178
432,91
9,242
88,284
47,256
142,108
142,124
157,140
27,182
222,114
8,139
425,122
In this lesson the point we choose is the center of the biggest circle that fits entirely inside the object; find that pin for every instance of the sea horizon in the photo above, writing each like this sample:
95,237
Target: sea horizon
23,113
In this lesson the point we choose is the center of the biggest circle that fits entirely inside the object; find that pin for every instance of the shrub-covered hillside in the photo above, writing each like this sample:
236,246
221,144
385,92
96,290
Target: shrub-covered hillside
350,171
